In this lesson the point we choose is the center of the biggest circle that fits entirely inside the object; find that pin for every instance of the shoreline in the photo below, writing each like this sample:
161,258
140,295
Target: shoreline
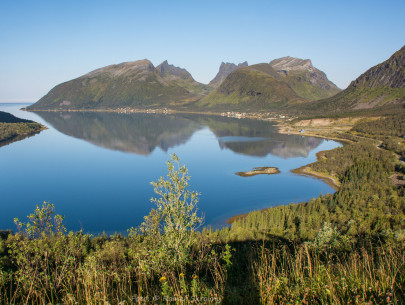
302,171
19,137
281,125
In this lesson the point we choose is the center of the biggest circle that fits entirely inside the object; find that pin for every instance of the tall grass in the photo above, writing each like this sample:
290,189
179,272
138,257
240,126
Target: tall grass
305,276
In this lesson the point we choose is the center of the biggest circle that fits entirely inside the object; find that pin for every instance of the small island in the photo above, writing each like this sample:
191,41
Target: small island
14,129
259,171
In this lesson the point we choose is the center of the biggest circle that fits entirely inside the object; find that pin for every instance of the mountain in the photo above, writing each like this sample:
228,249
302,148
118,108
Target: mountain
306,80
252,88
281,84
224,70
380,89
129,84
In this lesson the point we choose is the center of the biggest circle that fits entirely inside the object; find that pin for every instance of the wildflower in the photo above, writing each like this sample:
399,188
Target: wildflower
181,274
195,277
163,278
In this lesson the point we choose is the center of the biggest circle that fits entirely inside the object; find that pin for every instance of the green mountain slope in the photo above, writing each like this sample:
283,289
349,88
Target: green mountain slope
130,84
252,88
380,89
279,85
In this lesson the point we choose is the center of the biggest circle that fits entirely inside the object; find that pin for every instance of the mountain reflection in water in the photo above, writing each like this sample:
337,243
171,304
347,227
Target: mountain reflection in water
141,133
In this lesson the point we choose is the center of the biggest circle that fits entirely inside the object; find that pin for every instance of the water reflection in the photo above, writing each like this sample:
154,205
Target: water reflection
143,133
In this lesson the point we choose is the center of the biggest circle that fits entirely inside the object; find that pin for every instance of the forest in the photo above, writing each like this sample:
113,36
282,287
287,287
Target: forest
341,248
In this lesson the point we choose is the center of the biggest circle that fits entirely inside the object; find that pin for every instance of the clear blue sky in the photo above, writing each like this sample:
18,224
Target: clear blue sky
44,43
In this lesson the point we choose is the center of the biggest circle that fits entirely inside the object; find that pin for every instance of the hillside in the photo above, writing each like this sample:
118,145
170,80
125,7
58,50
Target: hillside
279,85
6,117
129,84
380,89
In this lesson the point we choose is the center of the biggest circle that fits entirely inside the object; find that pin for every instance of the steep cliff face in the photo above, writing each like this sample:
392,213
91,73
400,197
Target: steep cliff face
390,73
306,80
224,70
381,87
129,84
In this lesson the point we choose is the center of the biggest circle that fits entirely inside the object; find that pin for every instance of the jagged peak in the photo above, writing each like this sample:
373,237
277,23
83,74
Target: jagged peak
242,64
225,69
166,69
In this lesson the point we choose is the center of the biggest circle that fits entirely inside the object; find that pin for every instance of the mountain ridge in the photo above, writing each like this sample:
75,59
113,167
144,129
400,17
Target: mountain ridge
380,87
277,85
128,84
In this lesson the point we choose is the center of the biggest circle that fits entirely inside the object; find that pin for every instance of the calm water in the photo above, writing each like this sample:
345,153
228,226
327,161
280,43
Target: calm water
97,167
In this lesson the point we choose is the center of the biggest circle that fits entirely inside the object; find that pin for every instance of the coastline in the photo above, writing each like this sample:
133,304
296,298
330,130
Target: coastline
302,171
281,124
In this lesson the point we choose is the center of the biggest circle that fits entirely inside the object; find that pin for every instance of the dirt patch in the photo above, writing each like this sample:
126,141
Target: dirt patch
398,180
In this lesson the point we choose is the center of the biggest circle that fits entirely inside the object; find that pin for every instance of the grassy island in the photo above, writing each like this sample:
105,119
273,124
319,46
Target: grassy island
259,171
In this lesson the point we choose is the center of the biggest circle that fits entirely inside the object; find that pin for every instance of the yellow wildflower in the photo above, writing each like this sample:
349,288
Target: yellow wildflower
181,274
163,278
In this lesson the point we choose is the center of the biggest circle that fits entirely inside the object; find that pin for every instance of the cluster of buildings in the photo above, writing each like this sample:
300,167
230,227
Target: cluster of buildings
254,115
135,110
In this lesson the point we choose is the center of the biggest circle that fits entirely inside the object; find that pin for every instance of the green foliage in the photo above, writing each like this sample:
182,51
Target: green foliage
366,203
393,126
171,226
41,222
329,238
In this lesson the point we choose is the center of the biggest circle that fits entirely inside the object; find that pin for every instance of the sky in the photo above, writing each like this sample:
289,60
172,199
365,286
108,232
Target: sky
45,43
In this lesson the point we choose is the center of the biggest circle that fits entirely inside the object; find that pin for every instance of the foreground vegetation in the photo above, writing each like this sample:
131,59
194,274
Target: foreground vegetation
344,248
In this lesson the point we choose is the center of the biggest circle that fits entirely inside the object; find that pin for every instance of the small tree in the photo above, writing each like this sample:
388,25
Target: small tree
175,218
41,222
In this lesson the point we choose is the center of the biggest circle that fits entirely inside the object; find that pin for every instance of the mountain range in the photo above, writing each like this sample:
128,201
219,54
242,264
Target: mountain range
287,84
280,84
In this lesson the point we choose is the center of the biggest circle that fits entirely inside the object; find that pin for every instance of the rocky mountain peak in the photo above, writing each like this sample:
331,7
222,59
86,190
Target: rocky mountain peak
224,70
289,63
165,69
